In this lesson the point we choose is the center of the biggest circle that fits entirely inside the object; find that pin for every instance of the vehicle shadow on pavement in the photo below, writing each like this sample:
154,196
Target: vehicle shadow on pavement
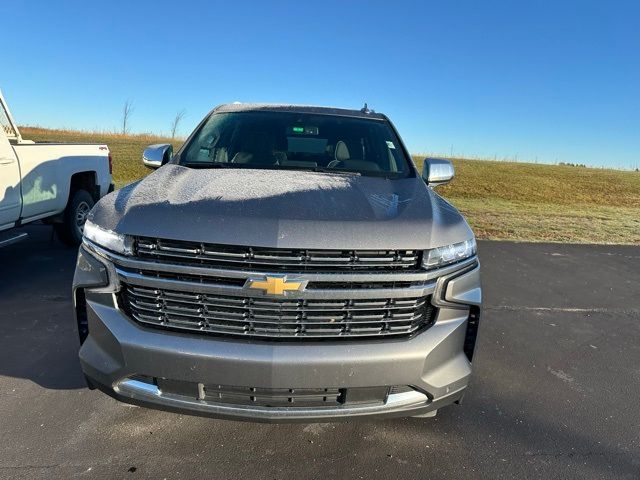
37,334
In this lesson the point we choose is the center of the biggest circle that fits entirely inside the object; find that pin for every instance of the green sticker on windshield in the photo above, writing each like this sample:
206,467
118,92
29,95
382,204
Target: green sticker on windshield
306,130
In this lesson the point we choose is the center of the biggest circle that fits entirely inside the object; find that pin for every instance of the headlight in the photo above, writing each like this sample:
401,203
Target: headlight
107,239
441,256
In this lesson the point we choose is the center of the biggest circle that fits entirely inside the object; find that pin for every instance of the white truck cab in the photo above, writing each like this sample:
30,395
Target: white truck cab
57,183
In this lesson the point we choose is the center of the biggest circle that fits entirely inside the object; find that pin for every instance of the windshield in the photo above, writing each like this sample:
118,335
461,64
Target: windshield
299,141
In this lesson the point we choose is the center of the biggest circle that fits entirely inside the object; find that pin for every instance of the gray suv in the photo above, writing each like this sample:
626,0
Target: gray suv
288,263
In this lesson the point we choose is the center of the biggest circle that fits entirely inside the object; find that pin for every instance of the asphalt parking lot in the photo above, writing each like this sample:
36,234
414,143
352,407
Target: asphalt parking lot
555,392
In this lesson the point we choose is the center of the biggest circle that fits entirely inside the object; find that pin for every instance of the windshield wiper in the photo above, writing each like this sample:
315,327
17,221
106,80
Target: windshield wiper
270,167
210,165
333,170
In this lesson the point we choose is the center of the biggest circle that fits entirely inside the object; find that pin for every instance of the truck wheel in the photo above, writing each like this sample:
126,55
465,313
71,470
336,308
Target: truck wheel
79,206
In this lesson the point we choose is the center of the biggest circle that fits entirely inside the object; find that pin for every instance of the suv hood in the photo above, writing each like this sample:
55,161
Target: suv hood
282,209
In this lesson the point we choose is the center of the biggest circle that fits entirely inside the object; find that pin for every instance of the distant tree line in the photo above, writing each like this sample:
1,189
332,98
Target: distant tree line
127,111
569,164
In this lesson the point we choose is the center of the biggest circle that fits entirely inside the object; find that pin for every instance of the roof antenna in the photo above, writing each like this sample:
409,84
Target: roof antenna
365,109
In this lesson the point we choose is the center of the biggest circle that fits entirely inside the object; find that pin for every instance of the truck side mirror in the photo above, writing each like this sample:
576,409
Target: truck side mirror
437,171
154,156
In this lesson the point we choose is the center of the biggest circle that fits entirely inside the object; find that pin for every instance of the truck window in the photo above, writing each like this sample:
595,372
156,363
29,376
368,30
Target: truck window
301,141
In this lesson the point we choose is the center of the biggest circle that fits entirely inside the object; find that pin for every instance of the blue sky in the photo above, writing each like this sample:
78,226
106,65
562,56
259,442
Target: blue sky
547,81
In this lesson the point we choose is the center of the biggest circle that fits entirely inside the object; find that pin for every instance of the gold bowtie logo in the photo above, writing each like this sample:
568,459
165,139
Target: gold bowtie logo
275,285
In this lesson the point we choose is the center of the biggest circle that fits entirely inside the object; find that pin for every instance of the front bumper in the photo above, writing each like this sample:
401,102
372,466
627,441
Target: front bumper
396,405
435,363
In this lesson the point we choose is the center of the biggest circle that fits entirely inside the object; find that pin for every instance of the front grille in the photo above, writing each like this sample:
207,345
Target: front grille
291,260
276,318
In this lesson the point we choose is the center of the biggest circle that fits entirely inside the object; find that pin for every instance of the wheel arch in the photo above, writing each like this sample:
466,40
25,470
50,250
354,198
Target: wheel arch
88,181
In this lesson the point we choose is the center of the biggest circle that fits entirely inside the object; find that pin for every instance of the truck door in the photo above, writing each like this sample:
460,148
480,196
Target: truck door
10,198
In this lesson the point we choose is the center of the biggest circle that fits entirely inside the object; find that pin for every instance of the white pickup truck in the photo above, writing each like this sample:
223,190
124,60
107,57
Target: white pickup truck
57,183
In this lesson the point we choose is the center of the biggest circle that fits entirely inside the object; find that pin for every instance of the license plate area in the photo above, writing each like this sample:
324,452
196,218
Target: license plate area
273,397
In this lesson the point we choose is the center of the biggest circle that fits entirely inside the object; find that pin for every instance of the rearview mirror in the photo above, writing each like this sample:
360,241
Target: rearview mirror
437,171
154,156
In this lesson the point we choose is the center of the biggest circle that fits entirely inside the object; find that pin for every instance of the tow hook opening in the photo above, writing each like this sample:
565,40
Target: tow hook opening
81,315
472,332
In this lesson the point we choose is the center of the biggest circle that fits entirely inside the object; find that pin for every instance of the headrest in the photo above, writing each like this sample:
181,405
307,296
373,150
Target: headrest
342,151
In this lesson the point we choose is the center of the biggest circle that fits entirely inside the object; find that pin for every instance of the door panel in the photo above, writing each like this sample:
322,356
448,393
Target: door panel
10,198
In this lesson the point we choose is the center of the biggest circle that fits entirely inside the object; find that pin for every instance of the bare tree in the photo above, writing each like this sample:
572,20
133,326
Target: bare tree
127,110
176,122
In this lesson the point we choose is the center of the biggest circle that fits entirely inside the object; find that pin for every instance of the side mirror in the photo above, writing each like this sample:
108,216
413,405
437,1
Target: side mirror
154,156
437,171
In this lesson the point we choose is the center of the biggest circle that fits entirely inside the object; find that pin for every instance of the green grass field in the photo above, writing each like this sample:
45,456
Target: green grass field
501,200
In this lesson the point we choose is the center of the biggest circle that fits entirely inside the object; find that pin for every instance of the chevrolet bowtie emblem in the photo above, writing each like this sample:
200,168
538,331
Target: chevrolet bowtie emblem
275,285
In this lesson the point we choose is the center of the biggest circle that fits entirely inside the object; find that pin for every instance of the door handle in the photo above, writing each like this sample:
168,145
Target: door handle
6,161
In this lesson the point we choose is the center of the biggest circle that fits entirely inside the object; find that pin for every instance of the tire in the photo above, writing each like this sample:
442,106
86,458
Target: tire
79,206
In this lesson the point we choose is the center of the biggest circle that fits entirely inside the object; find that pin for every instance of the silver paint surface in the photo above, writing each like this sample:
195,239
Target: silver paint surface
283,209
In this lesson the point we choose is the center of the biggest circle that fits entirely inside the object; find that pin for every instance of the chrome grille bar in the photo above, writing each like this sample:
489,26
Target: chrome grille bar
330,292
240,257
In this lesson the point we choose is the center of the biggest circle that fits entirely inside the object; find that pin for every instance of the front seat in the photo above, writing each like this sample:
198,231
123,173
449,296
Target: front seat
257,148
343,160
